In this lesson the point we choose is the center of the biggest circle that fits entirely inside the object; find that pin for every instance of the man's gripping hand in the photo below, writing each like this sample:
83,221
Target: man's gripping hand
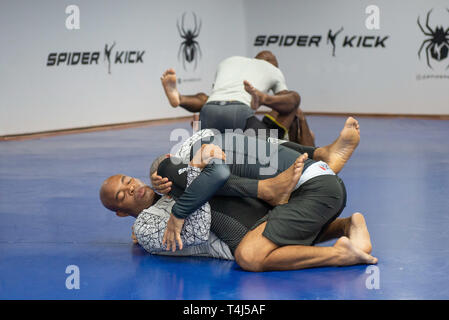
161,185
133,236
204,155
172,233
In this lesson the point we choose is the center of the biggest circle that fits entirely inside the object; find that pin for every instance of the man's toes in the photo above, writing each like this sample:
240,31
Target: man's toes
352,122
372,260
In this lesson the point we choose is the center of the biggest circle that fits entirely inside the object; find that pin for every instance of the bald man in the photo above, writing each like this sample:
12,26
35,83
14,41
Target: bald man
242,226
240,87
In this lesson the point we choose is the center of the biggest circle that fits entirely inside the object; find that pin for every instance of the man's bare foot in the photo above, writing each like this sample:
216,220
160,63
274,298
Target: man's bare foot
256,95
351,255
338,153
276,191
357,232
168,80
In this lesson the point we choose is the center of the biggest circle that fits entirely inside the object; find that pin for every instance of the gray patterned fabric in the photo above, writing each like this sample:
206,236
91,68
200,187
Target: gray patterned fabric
184,151
151,223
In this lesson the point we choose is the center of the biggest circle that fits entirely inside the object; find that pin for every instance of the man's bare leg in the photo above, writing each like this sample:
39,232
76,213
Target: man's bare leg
277,190
305,135
257,253
294,131
353,227
338,153
192,103
195,122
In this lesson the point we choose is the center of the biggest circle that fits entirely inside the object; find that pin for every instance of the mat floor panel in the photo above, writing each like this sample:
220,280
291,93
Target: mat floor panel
51,217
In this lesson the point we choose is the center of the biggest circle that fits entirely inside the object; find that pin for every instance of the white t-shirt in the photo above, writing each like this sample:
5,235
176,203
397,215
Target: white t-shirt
232,71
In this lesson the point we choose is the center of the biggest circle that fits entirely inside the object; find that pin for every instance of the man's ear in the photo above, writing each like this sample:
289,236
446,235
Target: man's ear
121,214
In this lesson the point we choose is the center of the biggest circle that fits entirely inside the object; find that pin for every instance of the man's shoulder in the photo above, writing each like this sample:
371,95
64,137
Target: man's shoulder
234,60
268,67
161,208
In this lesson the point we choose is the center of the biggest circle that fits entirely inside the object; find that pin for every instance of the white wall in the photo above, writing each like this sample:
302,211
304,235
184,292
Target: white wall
359,80
35,97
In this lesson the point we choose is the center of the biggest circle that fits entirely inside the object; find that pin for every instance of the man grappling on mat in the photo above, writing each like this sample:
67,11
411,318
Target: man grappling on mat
261,239
240,87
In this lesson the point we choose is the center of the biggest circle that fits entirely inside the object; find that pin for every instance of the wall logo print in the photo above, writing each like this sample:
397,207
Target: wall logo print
110,57
107,55
437,43
189,50
348,41
331,37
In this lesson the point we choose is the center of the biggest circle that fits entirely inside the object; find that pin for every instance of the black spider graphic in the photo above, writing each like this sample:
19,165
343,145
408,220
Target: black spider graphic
189,48
438,44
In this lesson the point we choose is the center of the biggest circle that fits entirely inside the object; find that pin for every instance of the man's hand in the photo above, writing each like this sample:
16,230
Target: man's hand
257,97
206,154
161,185
172,233
133,236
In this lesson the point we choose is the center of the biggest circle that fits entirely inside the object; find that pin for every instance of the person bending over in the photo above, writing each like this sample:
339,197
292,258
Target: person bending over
234,98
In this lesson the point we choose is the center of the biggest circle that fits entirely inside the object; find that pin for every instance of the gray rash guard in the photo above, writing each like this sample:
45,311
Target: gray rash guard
197,239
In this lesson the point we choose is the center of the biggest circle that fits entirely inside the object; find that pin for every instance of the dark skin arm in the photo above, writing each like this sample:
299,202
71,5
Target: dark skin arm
283,102
193,103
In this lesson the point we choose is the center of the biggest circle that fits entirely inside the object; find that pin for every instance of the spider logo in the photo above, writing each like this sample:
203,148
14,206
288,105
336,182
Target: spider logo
189,48
438,44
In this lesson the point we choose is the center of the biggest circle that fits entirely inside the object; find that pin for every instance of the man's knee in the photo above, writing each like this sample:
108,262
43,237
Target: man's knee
252,252
298,99
248,259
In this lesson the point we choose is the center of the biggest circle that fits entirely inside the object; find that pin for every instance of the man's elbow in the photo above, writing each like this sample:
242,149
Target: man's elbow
296,98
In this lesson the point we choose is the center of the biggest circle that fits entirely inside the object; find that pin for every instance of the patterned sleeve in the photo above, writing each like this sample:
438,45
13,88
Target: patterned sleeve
150,230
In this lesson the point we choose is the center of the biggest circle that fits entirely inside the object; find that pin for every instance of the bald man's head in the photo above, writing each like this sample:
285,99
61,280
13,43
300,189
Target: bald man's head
268,56
126,195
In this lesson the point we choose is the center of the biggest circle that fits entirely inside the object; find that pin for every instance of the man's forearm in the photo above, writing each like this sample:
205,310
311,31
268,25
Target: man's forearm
193,103
200,190
283,102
